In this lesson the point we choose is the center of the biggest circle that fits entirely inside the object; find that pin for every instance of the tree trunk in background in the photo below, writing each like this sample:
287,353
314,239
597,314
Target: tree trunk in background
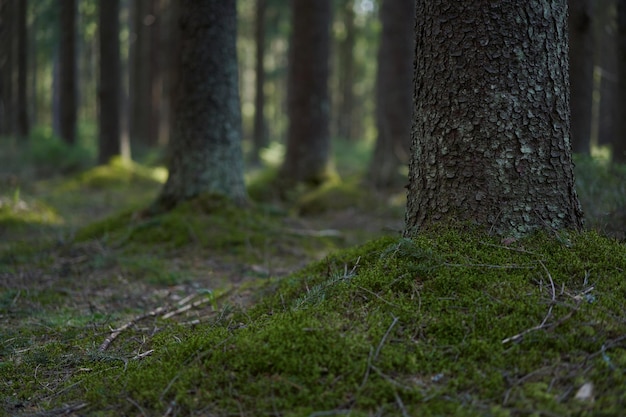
173,65
110,80
308,138
489,148
7,106
205,150
146,83
581,73
67,70
22,70
606,118
259,139
619,140
393,93
346,73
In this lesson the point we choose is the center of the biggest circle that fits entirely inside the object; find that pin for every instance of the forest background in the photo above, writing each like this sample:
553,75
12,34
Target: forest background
55,181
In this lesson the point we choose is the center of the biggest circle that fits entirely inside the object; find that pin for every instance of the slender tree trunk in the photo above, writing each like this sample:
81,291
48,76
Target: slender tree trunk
259,137
619,141
110,82
308,137
581,73
491,123
67,71
173,65
145,73
22,70
7,105
205,150
604,125
393,93
346,73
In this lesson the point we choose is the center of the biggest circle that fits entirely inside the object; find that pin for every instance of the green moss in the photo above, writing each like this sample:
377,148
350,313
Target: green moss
444,324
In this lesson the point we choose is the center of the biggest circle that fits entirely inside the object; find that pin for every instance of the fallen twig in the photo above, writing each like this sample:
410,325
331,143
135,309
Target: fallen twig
115,333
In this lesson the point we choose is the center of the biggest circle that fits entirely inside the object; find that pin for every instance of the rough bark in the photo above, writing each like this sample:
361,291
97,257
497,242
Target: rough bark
23,127
205,150
581,73
259,139
393,93
491,124
110,81
308,137
619,141
67,70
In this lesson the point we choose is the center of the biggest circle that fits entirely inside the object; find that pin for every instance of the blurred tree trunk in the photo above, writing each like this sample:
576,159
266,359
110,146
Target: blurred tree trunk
393,93
488,148
173,66
146,82
22,70
67,70
346,73
110,83
7,69
581,73
619,140
308,137
605,74
205,150
259,138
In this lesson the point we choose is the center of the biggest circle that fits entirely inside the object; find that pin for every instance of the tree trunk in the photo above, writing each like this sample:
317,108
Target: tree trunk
581,73
67,70
259,137
346,73
393,93
145,73
110,83
491,122
205,150
7,104
619,140
308,137
22,70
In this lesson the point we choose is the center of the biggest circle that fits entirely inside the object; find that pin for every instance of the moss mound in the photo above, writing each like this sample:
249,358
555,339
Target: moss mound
444,324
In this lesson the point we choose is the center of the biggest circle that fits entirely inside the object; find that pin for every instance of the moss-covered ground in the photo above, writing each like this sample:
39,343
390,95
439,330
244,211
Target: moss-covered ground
318,308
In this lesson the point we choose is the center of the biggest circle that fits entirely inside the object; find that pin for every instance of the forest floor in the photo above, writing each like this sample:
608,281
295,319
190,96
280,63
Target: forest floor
82,270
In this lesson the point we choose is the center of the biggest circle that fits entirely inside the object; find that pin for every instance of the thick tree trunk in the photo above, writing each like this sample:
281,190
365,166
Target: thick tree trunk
581,73
67,71
205,150
393,93
23,127
259,139
110,82
491,123
308,137
619,140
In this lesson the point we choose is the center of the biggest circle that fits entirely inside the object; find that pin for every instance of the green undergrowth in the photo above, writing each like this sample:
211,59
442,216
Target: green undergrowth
208,222
447,323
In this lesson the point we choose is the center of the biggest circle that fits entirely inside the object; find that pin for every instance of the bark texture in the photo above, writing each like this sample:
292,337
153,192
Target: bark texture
205,149
491,124
308,136
393,93
109,90
67,71
581,73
